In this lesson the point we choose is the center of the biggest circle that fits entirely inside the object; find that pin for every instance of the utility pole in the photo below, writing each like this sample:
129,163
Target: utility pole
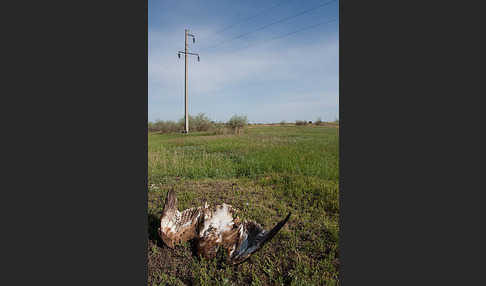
185,52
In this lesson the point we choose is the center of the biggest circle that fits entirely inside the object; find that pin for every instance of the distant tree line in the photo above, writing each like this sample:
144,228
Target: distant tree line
200,122
318,122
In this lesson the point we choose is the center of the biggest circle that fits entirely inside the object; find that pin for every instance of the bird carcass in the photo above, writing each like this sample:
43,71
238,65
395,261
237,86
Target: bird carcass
212,228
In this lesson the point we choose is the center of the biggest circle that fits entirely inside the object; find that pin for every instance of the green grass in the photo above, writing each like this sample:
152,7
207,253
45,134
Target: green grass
266,172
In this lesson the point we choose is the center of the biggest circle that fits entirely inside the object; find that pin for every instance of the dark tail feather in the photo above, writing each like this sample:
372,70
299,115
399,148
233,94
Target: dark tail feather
258,242
269,235
170,202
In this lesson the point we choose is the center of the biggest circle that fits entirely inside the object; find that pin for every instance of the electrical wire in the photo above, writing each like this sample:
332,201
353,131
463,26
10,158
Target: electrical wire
252,17
287,34
271,24
245,20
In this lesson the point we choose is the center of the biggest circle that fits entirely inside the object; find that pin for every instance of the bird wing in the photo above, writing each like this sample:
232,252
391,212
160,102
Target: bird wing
252,238
175,226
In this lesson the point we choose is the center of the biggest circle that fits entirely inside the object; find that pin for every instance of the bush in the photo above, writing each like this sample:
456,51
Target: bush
221,130
237,123
199,122
282,122
300,122
318,121
164,126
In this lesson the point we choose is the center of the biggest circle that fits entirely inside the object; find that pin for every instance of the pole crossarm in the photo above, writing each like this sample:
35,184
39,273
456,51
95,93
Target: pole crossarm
182,52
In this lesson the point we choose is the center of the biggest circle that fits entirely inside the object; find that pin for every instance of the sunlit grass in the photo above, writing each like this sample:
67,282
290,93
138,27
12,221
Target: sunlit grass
265,172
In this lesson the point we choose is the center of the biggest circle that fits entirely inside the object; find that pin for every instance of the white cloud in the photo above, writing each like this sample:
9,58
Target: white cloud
311,69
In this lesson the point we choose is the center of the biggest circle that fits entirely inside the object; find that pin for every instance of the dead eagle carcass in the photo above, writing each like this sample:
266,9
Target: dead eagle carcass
212,228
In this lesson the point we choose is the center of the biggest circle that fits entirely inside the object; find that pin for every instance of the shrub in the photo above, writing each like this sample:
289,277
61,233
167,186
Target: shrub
199,122
237,123
300,122
282,122
221,130
318,121
164,126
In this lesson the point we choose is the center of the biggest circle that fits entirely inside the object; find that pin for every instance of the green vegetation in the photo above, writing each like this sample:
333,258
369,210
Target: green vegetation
199,122
165,126
237,123
266,172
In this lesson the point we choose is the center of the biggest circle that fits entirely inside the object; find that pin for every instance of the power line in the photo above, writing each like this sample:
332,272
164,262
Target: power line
288,34
273,23
252,17
303,29
246,19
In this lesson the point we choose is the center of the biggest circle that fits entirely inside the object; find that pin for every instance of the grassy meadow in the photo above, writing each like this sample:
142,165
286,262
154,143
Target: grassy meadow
266,172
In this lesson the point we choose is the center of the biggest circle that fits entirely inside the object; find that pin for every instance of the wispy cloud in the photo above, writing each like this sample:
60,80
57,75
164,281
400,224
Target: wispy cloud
278,80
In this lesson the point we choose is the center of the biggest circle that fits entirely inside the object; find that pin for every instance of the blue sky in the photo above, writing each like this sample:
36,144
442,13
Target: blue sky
291,78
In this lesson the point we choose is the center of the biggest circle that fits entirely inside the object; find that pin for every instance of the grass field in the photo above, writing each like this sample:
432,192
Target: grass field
266,172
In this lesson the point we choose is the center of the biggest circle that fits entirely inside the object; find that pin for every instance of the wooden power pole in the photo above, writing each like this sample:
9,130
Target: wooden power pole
185,52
